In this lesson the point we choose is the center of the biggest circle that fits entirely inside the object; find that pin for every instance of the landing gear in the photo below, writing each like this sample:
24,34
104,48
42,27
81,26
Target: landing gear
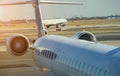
47,26
58,28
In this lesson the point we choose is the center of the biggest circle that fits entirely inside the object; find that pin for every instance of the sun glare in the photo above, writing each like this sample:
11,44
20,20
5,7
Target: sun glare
1,12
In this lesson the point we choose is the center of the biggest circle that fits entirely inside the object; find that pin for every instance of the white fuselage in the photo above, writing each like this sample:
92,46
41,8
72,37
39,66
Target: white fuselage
55,22
72,57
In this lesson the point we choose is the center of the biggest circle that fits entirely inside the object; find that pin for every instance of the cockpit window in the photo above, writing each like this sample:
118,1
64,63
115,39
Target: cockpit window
48,54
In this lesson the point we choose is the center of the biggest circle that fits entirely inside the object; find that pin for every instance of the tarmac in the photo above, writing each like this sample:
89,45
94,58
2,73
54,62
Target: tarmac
24,65
17,66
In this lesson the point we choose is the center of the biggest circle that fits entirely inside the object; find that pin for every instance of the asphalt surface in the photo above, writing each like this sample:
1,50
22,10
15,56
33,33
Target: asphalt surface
24,65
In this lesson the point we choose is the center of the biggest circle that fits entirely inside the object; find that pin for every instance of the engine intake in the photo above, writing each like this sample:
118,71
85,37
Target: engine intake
17,44
85,36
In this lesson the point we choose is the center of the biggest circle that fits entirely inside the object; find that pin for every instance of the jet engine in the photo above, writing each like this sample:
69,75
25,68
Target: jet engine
85,36
17,44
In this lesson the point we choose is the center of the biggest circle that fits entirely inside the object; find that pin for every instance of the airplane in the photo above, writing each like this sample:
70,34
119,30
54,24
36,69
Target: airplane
55,22
56,55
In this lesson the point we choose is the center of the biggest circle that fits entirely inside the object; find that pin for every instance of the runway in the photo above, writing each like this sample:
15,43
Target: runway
24,65
84,26
17,66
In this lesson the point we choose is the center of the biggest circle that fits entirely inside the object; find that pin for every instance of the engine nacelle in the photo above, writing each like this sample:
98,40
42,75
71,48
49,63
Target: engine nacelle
85,36
17,44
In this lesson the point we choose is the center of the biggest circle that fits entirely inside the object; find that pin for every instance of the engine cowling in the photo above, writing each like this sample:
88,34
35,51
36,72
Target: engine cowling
85,36
17,44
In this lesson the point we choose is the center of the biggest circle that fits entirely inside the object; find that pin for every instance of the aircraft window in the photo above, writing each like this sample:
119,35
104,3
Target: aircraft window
77,65
74,64
93,71
54,56
97,72
103,73
60,58
81,67
37,52
85,68
43,53
100,72
89,69
68,61
64,60
48,54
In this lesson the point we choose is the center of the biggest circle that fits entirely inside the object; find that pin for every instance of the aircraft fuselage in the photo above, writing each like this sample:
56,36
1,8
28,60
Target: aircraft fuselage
72,57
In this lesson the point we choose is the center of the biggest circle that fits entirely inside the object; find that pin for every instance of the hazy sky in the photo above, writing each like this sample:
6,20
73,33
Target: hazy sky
90,8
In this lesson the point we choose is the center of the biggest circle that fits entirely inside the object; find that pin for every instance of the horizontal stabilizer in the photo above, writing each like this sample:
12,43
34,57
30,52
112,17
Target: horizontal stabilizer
41,2
17,3
57,2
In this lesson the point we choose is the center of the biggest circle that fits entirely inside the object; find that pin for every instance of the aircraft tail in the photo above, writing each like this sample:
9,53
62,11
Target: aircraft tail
38,15
41,2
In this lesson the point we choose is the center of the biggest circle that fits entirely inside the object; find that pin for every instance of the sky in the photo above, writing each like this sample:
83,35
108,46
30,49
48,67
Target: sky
90,8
